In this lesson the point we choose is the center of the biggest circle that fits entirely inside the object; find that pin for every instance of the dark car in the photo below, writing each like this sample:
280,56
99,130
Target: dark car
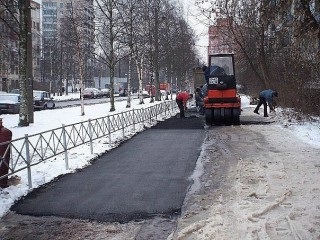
123,92
42,100
9,103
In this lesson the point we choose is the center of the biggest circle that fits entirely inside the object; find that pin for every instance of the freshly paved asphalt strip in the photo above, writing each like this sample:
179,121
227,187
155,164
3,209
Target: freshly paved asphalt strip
145,176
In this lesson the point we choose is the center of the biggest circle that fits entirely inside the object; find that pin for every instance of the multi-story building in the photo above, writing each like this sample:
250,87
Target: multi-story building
9,45
219,37
36,41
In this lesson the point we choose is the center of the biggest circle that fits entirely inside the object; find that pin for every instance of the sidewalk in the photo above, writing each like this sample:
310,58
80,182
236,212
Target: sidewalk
146,176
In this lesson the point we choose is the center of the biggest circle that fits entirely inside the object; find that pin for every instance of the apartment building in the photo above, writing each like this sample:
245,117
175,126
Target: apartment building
9,45
219,37
36,40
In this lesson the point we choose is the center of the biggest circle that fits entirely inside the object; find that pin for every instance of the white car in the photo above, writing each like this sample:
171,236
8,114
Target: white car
9,103
164,94
145,94
105,92
97,93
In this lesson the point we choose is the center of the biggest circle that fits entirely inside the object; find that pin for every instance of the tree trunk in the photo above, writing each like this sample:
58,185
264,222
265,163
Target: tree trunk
129,83
25,65
140,71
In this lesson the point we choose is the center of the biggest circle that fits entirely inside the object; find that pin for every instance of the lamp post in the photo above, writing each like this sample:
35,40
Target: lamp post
50,84
171,81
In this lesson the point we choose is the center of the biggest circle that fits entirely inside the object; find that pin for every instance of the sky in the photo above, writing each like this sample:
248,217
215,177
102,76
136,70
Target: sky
306,135
200,26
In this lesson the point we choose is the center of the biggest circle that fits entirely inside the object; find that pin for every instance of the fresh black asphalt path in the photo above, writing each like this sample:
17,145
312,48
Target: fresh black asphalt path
145,176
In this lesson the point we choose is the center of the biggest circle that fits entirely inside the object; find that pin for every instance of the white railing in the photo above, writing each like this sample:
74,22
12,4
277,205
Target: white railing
31,150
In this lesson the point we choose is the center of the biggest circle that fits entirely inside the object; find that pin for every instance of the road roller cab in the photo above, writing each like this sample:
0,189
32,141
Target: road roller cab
222,103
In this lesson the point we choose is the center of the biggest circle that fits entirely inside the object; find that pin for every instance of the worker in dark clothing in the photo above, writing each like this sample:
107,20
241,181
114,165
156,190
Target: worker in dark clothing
266,98
181,99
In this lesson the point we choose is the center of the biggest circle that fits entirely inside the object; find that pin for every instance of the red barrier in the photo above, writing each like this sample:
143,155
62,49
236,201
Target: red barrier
5,136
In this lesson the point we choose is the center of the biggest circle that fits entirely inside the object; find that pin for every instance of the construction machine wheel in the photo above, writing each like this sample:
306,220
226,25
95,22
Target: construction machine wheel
217,116
236,120
228,117
209,116
236,116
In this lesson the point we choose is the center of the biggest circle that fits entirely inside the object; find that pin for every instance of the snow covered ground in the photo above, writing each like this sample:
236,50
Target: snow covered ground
270,188
272,193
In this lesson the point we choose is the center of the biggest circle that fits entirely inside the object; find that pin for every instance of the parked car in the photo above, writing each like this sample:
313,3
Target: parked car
92,93
145,94
42,100
164,94
97,93
16,91
123,92
9,103
88,93
105,92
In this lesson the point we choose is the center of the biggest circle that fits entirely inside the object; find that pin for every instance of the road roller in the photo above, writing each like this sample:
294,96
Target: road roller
222,103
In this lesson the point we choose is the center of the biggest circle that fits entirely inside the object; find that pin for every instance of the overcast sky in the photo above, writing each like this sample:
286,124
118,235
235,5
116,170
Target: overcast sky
199,24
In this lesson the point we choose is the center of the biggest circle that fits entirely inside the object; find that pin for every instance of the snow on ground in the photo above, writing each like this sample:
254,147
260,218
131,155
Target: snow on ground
271,193
283,171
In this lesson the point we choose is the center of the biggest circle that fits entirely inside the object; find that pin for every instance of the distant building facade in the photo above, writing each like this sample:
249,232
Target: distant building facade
219,37
9,46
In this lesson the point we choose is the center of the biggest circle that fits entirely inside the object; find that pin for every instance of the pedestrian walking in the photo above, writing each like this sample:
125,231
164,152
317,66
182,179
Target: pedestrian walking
181,100
266,98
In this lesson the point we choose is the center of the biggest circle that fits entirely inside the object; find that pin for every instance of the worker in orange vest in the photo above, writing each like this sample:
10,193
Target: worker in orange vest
181,99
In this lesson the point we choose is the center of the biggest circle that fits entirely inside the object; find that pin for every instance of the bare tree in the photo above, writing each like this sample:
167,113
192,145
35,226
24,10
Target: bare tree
80,38
161,40
277,45
135,32
110,49
128,20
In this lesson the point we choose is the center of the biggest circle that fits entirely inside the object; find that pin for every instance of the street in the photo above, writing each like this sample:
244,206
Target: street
87,101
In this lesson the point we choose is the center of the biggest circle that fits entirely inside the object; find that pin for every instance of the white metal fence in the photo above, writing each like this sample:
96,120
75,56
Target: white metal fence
31,150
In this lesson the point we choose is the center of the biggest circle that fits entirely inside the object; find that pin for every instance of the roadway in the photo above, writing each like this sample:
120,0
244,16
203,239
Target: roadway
77,102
